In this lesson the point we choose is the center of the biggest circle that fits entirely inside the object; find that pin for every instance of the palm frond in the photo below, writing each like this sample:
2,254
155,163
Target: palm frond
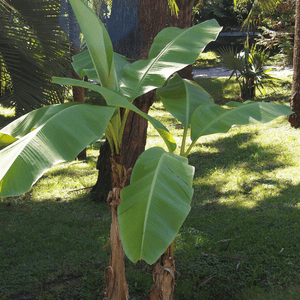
32,50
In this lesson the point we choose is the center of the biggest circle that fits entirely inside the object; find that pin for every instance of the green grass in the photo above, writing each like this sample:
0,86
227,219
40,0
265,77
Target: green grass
240,241
209,59
224,90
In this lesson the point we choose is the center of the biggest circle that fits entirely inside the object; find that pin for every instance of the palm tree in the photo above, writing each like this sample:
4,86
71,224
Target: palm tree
32,50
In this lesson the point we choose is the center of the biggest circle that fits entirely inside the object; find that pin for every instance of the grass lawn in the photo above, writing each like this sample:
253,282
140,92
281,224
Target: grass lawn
241,239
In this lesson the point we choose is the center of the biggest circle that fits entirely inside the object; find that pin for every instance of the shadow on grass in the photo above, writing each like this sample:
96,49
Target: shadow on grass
234,151
242,237
226,248
52,249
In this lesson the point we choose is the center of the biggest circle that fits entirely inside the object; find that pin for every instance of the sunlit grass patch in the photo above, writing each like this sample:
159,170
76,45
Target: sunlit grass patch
209,59
7,111
6,115
66,180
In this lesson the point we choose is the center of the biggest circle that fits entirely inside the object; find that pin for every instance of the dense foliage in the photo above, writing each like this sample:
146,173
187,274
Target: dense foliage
32,49
221,10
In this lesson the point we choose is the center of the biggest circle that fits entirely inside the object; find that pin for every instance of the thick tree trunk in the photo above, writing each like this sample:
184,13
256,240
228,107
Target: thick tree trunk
163,273
115,281
248,89
294,119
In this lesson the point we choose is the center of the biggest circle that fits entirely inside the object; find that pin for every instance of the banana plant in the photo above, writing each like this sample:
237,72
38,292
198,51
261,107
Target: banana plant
147,214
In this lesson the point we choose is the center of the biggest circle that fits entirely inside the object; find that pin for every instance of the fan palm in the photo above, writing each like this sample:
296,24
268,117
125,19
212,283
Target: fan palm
247,67
32,50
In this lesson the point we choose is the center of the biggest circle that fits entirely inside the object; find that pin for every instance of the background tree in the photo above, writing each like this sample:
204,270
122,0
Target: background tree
294,119
257,11
223,11
32,50
277,31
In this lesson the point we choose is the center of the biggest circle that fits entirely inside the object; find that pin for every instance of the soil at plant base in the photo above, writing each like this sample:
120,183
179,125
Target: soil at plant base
222,72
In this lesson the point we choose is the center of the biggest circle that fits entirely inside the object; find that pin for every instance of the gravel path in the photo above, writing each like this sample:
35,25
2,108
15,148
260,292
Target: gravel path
222,72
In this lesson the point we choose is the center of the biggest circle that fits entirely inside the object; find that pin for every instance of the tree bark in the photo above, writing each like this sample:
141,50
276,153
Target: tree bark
115,281
163,273
248,89
294,119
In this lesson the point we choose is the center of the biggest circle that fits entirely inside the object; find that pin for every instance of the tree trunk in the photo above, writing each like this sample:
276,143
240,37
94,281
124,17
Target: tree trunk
294,119
115,281
248,89
163,274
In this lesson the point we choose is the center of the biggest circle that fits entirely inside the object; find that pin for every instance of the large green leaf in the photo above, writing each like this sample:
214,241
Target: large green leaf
83,65
58,139
155,204
114,98
26,123
98,42
211,118
181,97
172,50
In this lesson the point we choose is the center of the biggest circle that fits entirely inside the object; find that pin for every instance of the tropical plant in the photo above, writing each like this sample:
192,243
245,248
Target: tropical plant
257,12
277,31
32,50
247,67
157,201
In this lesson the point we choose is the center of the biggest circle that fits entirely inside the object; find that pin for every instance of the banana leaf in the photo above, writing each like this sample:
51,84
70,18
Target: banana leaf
26,123
155,204
211,118
181,97
83,65
114,98
60,138
98,42
172,50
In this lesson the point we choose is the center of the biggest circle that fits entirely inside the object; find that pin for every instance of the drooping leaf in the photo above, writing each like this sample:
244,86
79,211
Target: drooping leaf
58,139
172,50
211,118
98,42
114,98
181,97
155,204
26,123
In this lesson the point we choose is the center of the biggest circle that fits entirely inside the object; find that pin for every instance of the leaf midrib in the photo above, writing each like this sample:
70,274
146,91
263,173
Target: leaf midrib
161,53
222,115
152,188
